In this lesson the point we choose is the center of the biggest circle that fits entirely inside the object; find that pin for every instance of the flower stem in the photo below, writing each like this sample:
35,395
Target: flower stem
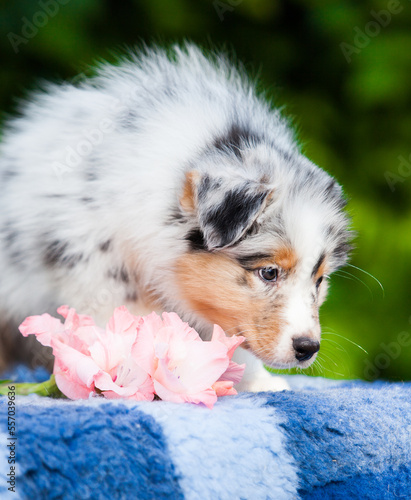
47,388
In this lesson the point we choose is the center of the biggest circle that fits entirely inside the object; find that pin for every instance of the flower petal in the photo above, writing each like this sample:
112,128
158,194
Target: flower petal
224,388
230,342
166,382
83,319
204,364
78,367
207,397
43,327
136,396
123,322
70,390
138,382
183,329
143,347
234,373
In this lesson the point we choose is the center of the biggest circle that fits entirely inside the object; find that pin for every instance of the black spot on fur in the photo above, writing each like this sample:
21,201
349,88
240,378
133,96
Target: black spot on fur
341,202
72,260
234,213
87,199
9,234
176,216
92,165
329,189
119,274
128,120
333,191
8,174
91,176
330,231
16,257
11,238
124,275
205,186
341,251
104,247
196,239
236,139
318,264
56,254
287,156
55,196
131,296
170,92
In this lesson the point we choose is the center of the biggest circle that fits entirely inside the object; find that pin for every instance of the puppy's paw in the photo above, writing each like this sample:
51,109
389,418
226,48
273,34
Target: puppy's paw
264,383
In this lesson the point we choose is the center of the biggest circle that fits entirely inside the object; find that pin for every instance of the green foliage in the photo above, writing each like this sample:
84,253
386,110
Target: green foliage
350,103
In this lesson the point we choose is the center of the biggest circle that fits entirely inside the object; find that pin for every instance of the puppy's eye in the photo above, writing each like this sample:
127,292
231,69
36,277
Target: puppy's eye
268,274
319,281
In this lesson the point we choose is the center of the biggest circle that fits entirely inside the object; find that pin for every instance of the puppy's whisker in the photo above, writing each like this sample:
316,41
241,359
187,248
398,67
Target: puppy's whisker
334,372
347,339
352,277
370,275
329,358
339,346
317,365
327,329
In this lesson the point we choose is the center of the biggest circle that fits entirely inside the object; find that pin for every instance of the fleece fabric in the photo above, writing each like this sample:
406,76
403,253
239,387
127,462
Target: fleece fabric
323,439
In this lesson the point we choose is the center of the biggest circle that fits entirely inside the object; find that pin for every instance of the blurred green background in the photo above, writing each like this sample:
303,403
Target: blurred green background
343,71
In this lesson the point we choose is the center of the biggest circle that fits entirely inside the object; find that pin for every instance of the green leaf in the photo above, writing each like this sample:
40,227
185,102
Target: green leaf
46,389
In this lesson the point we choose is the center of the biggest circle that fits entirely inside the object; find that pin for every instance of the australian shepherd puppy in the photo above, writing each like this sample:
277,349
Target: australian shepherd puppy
167,183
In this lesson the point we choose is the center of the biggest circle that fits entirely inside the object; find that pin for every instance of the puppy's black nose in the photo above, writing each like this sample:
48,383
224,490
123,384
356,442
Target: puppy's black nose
305,348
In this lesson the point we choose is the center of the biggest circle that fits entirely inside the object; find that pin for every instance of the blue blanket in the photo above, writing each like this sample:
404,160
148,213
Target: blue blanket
323,439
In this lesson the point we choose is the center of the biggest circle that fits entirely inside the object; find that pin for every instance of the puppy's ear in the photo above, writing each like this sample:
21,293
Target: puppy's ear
224,208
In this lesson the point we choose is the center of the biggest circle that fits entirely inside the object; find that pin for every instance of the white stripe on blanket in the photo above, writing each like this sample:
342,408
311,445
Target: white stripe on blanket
201,446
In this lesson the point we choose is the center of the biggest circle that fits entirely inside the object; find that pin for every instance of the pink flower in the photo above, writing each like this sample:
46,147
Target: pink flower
183,367
137,357
234,372
89,359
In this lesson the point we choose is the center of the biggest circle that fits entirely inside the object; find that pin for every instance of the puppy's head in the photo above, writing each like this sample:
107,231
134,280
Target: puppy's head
262,243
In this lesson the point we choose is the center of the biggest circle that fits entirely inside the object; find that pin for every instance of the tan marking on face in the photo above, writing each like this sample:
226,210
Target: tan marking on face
216,288
321,270
188,197
286,258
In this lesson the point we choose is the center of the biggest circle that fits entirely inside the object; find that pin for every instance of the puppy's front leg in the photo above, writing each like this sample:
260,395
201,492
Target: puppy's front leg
256,378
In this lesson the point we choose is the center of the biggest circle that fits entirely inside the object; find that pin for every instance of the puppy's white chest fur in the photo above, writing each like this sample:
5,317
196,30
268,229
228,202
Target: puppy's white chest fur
256,378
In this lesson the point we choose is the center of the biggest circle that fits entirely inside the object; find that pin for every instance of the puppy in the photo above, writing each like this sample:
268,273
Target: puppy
167,183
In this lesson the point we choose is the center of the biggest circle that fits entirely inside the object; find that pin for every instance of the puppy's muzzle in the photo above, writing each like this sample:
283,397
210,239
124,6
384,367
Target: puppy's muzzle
305,348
